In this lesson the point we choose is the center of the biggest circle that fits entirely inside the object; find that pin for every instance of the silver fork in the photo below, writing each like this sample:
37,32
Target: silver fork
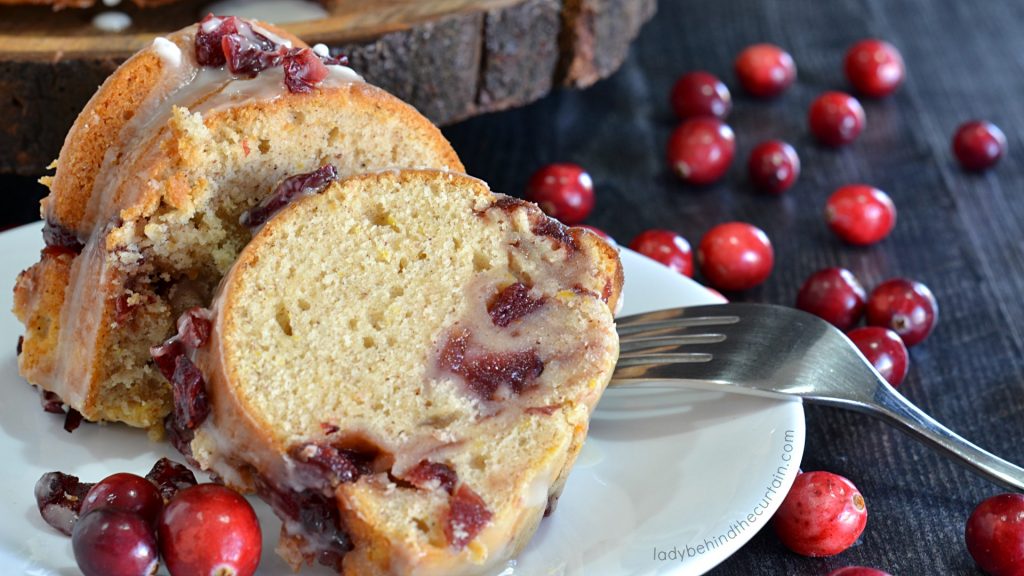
780,352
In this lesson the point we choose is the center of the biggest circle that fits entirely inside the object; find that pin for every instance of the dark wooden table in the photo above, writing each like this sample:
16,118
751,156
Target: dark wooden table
959,233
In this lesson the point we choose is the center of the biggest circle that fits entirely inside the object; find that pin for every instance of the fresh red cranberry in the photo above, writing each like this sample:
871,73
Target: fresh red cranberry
666,247
467,516
906,307
773,166
874,67
59,498
700,94
860,214
563,191
995,535
208,528
836,118
885,350
112,542
169,477
601,233
700,150
512,303
765,70
822,515
833,294
735,256
857,571
127,492
978,145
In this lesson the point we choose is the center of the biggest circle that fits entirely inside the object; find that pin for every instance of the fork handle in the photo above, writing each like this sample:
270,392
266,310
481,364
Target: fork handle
893,407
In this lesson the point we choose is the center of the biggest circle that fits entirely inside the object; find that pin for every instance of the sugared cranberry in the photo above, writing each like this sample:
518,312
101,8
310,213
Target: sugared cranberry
995,535
208,528
773,166
885,350
860,214
978,145
700,150
59,498
700,94
836,118
765,70
512,303
127,492
833,294
822,515
906,307
857,571
112,542
666,247
467,516
601,233
735,256
874,67
563,191
286,192
169,477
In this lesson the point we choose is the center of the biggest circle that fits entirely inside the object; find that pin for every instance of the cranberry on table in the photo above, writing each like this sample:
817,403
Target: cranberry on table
885,350
735,256
563,191
822,515
978,145
666,247
833,294
700,150
860,214
995,535
773,166
857,571
700,94
112,542
874,67
765,70
836,118
209,526
906,307
128,492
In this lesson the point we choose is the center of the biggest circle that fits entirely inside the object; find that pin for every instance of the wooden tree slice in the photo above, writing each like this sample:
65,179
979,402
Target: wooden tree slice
451,59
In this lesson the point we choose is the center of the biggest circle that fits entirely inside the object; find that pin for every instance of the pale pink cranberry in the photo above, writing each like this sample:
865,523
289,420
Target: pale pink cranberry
700,150
735,256
833,294
978,145
836,118
700,94
906,307
208,528
765,70
822,515
563,191
874,67
995,535
884,350
666,247
773,166
860,214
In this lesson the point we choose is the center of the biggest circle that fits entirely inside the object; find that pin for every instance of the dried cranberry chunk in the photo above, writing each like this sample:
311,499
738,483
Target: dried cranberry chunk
342,464
59,497
72,421
21,344
485,373
555,230
287,191
303,70
170,477
429,475
318,515
57,236
467,515
248,57
51,402
194,327
512,303
209,37
189,389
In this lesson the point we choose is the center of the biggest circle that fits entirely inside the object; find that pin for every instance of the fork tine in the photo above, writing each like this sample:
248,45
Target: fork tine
663,321
652,343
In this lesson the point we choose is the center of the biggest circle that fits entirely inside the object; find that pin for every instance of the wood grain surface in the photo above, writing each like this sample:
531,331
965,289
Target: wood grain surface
959,233
450,58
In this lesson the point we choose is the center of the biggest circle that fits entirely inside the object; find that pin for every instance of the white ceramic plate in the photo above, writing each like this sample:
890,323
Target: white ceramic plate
668,483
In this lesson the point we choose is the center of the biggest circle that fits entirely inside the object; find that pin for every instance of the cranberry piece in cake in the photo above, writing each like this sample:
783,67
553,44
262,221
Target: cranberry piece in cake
467,515
430,475
287,191
512,303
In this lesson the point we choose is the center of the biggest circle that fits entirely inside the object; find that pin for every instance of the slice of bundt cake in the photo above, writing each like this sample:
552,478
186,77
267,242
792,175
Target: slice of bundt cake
142,219
404,367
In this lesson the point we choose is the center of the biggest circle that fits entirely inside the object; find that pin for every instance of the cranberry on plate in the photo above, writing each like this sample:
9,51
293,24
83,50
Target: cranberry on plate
207,527
735,256
885,350
666,247
765,70
874,67
978,145
857,571
563,191
822,515
127,492
833,294
700,150
860,214
700,94
114,542
773,166
995,535
906,307
836,118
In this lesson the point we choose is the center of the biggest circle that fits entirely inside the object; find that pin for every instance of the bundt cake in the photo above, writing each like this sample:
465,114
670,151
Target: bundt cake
403,366
142,219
